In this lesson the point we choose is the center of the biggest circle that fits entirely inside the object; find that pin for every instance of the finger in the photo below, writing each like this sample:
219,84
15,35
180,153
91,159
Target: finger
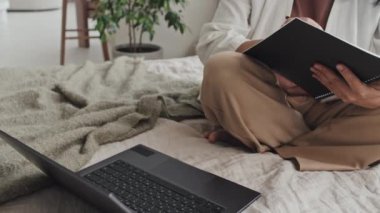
375,85
311,22
325,70
337,86
351,79
323,81
346,96
287,20
284,82
351,89
330,77
336,92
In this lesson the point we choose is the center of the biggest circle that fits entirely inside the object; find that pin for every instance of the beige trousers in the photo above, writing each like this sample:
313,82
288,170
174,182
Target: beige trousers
241,95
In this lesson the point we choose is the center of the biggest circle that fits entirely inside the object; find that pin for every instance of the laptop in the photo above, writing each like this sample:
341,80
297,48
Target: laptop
141,179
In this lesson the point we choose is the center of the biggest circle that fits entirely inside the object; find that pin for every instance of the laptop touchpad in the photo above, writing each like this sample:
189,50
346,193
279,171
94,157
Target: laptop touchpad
182,174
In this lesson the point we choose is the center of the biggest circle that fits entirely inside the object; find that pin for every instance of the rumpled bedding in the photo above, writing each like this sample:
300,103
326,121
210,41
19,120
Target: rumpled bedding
68,112
283,188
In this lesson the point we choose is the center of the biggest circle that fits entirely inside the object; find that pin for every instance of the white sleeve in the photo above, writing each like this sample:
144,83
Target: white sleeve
228,29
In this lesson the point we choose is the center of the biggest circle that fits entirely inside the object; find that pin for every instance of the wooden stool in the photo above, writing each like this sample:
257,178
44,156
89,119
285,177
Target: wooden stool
84,8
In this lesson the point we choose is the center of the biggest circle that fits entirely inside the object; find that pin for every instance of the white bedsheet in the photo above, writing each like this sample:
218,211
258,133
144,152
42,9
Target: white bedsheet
283,188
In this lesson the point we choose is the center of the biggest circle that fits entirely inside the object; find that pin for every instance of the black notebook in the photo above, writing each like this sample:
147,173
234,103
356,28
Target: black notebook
293,49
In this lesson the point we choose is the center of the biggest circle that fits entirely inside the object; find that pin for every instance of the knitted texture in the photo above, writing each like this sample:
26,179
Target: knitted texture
67,112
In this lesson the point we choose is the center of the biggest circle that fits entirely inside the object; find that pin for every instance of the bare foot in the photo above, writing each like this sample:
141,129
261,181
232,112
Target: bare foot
221,135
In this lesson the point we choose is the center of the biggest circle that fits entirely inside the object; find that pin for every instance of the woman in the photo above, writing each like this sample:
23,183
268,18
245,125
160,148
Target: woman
265,111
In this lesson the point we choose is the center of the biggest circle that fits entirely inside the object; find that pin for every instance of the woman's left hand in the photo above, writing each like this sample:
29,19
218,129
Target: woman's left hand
349,89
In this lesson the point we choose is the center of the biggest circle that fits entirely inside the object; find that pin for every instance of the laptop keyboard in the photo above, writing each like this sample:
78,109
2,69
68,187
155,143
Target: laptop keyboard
143,192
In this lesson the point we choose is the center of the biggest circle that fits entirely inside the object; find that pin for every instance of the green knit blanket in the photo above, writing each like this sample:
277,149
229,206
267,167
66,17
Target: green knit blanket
67,112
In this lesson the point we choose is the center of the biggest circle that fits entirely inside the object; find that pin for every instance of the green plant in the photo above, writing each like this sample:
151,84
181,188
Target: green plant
141,16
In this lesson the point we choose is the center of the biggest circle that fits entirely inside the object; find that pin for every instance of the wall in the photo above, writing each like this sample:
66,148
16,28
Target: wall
174,44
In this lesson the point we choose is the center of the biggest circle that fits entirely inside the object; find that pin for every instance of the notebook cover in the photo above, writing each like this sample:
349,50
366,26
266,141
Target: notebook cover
293,49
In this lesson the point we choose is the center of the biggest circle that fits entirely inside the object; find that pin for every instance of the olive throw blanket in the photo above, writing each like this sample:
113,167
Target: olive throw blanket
68,112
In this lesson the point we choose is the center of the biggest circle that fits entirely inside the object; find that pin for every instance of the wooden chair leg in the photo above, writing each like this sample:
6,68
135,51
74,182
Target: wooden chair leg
63,32
82,23
83,31
105,51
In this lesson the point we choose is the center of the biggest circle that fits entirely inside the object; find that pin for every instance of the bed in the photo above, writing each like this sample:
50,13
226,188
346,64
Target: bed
283,188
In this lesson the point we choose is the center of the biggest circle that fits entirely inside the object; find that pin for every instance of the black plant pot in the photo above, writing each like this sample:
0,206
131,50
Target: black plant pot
147,51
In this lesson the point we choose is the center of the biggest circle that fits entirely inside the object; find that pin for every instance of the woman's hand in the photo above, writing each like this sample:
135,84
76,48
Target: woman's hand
306,20
349,89
289,87
244,46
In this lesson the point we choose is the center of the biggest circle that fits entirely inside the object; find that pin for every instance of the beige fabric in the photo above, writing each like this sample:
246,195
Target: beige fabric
241,95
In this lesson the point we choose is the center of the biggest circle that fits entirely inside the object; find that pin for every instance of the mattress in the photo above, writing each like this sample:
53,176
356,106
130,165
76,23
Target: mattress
283,188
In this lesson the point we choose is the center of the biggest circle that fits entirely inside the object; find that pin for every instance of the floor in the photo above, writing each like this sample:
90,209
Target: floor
30,39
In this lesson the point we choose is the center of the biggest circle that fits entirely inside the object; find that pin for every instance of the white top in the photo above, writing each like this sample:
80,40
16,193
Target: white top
236,21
